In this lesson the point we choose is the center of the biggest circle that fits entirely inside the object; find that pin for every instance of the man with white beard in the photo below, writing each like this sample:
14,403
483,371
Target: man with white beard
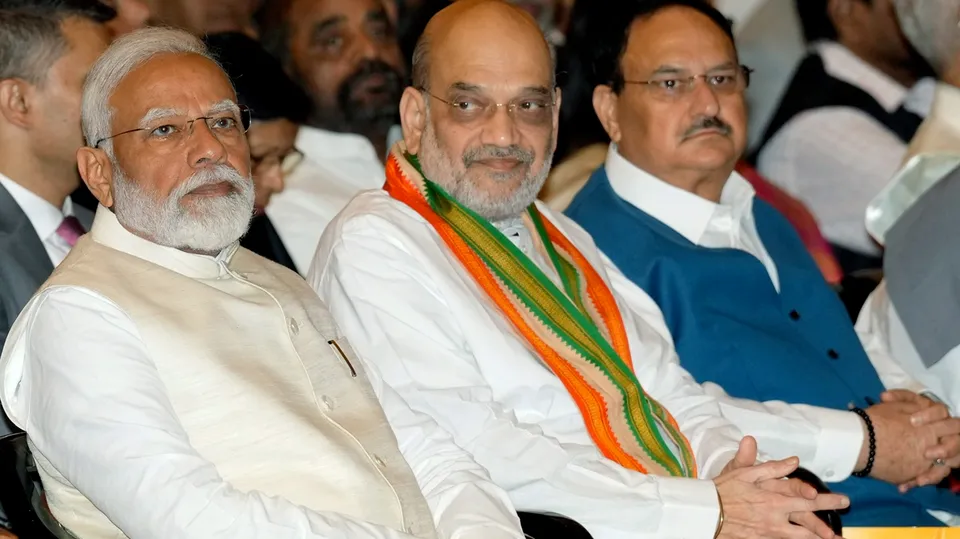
174,385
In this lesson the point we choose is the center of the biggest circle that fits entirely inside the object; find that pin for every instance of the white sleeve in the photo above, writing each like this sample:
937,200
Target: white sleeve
393,315
464,502
835,160
873,329
826,441
94,405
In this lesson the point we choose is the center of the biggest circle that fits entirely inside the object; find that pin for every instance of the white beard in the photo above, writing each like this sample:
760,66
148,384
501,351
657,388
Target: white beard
209,225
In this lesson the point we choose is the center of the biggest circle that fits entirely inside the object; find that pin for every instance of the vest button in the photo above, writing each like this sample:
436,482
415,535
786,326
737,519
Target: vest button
832,354
794,315
379,461
294,327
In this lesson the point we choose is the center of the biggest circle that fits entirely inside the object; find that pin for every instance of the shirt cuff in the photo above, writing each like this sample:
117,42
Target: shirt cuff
691,508
838,446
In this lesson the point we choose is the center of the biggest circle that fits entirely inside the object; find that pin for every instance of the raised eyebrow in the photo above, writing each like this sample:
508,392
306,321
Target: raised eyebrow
227,105
465,87
539,91
670,70
157,113
723,66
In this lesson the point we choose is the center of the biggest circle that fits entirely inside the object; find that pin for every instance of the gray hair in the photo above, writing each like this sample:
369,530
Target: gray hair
932,28
124,56
31,39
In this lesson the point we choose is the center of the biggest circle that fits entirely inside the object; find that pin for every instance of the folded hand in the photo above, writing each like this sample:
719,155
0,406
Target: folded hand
759,503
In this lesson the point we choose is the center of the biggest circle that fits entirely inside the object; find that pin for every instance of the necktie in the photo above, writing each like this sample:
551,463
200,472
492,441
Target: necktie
70,230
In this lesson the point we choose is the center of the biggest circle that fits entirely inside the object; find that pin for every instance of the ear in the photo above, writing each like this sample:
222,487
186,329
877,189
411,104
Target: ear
606,104
14,99
413,118
97,172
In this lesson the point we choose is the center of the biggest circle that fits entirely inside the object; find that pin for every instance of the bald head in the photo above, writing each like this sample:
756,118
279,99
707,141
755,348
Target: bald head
478,29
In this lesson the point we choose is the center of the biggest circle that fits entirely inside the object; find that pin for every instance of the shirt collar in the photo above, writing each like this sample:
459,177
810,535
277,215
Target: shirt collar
44,216
840,63
108,231
686,213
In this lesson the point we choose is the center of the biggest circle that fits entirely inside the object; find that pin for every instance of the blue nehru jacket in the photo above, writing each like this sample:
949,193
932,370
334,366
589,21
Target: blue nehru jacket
732,327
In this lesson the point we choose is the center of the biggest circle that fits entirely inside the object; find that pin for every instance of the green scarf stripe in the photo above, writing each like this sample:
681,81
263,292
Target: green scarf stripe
569,275
645,436
508,262
567,321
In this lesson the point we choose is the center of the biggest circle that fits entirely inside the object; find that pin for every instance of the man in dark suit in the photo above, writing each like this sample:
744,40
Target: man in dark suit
49,45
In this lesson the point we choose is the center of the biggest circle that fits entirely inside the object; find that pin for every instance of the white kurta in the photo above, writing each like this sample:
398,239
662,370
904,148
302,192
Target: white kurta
179,396
410,308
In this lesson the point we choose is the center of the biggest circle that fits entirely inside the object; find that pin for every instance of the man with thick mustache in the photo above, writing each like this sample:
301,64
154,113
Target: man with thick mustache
503,322
346,56
173,384
739,296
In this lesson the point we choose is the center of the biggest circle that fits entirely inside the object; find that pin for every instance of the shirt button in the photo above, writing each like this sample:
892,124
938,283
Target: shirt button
794,315
328,403
828,474
832,354
379,461
294,327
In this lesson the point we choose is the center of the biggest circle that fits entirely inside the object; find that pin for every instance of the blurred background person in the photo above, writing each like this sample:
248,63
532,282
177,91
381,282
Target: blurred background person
201,17
913,313
131,15
843,123
278,106
345,55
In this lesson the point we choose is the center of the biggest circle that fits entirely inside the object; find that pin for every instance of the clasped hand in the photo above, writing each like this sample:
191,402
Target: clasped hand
912,433
759,503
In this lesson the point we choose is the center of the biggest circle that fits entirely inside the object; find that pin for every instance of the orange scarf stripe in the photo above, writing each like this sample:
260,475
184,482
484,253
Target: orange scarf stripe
582,393
607,307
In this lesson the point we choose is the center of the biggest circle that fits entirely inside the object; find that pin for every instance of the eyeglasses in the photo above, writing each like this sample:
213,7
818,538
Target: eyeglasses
288,162
722,82
534,111
168,133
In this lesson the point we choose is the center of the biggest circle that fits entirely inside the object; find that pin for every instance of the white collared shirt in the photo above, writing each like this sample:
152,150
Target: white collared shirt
827,441
729,224
44,217
836,159
336,167
78,343
410,308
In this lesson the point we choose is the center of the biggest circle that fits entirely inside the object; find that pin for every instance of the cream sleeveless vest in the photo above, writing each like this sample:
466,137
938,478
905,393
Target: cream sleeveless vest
259,376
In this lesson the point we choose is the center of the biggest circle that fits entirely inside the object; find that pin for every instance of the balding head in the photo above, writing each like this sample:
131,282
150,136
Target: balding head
466,23
483,117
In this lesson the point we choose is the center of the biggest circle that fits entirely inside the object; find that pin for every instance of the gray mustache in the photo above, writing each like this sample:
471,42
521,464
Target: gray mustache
708,122
490,151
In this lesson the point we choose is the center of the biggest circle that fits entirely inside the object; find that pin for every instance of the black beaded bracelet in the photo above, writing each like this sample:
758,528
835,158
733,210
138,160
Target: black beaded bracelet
873,443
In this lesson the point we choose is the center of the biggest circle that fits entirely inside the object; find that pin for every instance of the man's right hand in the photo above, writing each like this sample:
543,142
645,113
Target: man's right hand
905,432
4,534
759,503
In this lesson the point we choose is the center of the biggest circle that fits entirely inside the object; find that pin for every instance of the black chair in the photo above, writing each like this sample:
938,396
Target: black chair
544,526
830,518
21,494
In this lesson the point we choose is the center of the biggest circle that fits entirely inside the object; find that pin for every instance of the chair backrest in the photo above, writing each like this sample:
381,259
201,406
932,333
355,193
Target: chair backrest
21,495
